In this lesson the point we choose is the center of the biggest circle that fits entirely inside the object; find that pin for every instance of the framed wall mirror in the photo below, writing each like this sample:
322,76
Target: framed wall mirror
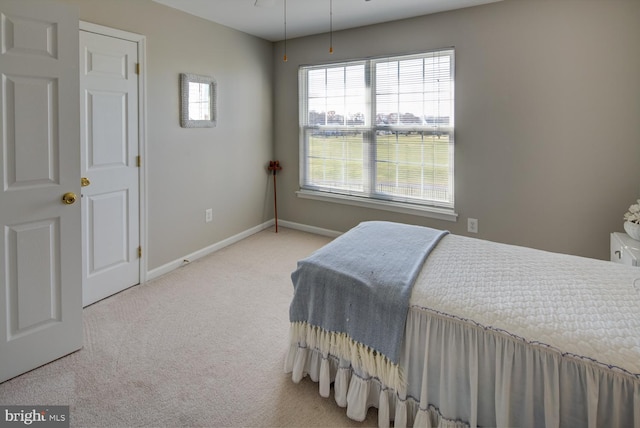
197,101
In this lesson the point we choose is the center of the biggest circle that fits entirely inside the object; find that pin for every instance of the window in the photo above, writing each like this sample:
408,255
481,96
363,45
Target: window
380,129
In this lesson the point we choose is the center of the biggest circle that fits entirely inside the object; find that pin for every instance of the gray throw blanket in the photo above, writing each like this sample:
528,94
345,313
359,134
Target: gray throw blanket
360,283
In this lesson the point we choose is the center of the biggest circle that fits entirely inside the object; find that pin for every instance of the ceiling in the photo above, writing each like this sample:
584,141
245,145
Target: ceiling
265,18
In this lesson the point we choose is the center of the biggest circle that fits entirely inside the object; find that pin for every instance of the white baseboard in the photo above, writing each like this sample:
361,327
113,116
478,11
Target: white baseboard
310,229
168,267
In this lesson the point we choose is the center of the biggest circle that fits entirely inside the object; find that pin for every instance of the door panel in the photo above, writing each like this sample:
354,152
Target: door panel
34,289
40,242
110,245
109,133
32,145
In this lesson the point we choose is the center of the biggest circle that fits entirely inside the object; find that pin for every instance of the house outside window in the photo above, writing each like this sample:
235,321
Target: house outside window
380,130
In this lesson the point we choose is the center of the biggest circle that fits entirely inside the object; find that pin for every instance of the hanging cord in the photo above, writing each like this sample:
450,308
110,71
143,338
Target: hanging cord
330,26
285,32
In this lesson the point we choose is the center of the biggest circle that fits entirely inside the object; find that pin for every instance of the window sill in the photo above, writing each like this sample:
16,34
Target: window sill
399,207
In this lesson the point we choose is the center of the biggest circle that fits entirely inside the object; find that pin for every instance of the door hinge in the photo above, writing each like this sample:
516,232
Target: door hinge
138,161
137,68
139,252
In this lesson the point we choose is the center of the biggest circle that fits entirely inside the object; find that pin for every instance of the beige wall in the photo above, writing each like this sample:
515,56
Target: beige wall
547,118
190,170
548,121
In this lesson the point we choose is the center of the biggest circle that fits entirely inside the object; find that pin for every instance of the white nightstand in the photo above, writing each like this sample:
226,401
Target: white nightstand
624,249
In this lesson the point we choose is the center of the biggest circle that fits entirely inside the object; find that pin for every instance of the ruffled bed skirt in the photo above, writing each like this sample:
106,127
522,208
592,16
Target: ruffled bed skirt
462,374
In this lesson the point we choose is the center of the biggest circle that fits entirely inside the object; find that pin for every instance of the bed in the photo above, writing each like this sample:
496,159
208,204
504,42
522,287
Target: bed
492,334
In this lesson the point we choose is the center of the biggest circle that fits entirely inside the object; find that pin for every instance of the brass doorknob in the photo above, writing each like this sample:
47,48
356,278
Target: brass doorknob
69,198
84,182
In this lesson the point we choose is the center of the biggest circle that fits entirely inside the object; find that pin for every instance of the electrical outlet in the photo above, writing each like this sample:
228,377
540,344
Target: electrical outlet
472,225
208,215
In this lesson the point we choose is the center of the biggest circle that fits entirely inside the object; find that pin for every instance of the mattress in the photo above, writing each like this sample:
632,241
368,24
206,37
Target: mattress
500,335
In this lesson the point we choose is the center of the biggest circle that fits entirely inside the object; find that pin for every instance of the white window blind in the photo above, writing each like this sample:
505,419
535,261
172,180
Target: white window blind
380,128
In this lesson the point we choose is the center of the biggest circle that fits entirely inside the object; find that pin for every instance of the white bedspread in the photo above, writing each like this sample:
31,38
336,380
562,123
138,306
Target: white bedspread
500,335
577,305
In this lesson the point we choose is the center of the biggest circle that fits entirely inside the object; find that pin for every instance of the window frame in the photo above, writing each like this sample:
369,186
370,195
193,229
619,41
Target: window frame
368,196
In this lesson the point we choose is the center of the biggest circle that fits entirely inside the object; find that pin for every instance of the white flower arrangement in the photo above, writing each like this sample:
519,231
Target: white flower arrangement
633,215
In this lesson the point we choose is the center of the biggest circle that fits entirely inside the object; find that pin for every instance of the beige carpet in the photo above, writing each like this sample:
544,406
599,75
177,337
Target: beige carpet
201,346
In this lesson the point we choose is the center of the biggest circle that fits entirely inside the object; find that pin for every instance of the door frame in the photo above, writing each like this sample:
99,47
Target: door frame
141,42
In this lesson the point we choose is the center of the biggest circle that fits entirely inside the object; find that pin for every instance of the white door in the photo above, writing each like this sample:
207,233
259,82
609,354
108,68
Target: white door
109,139
40,241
